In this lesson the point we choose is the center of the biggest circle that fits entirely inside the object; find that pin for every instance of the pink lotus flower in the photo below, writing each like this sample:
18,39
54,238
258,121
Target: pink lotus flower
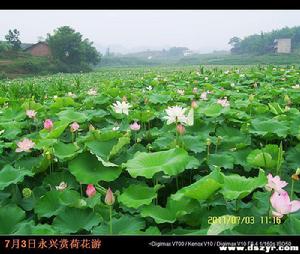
180,129
283,205
135,126
274,183
223,102
31,113
74,127
109,197
25,145
90,190
48,124
194,104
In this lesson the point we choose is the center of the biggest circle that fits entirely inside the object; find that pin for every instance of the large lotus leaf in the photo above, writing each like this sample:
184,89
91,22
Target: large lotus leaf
28,228
35,164
203,188
158,213
238,187
66,151
88,170
137,195
101,149
12,114
62,102
159,98
10,175
293,157
213,110
125,225
10,216
194,143
49,204
269,126
224,160
58,128
55,178
121,143
143,116
95,115
266,157
72,220
232,138
171,162
70,115
225,222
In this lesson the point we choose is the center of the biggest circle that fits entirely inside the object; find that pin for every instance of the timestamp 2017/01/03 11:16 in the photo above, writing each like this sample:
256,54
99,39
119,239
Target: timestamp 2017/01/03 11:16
243,220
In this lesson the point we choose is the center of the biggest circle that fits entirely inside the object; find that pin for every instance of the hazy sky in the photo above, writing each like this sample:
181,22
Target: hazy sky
204,30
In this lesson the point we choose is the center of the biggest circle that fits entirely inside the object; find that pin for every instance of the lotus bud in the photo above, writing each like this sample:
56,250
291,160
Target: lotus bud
109,197
81,203
251,97
91,127
180,129
208,142
27,192
219,139
194,104
295,176
90,190
287,100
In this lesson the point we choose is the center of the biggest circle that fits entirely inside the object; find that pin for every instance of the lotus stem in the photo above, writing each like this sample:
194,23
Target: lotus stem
110,220
292,189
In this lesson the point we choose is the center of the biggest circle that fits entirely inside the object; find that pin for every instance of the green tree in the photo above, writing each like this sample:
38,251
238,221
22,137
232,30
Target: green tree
13,39
73,53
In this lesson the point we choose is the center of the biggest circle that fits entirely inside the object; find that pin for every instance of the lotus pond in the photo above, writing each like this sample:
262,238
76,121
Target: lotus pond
166,151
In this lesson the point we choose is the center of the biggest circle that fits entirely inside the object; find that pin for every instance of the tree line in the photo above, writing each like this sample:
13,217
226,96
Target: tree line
263,43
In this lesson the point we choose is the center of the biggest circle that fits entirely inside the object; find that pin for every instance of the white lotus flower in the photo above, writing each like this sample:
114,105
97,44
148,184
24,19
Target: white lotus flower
121,107
175,114
92,92
180,91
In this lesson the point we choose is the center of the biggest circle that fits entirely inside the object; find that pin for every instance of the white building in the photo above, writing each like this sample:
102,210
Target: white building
283,45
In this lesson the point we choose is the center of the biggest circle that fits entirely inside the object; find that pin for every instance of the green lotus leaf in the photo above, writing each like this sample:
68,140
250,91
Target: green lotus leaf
203,188
10,175
125,225
292,157
66,151
226,222
224,160
158,214
213,110
266,157
35,164
72,220
171,162
70,115
49,204
10,216
58,128
269,126
88,170
238,187
159,98
137,195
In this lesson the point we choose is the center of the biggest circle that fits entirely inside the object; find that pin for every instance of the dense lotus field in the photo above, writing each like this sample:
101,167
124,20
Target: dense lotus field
159,151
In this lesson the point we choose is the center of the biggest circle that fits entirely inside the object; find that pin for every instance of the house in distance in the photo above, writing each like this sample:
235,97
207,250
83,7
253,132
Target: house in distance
283,45
37,49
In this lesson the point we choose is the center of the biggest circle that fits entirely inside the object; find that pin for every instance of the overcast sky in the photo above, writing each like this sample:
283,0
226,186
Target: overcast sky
203,30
